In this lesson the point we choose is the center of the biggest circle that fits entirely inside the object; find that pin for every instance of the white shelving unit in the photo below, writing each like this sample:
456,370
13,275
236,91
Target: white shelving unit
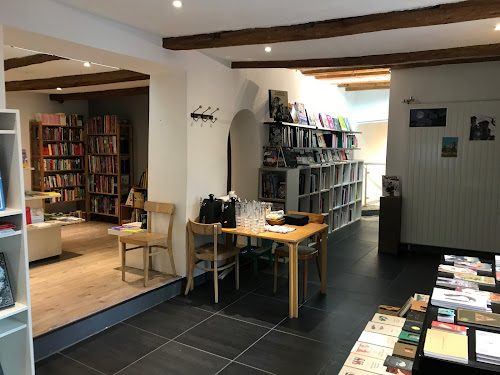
16,342
333,190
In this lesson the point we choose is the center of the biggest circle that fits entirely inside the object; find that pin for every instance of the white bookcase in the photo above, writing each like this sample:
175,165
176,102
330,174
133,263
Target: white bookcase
333,190
16,342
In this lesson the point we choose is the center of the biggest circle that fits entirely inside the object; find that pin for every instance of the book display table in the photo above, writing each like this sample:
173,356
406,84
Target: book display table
426,365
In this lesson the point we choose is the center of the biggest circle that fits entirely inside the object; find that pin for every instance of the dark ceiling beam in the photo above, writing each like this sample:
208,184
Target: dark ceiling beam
19,62
329,71
100,94
379,61
438,15
93,79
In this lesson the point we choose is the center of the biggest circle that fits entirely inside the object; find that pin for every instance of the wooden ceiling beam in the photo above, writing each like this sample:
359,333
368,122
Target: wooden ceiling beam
19,62
93,79
350,75
361,86
379,61
330,71
470,10
100,94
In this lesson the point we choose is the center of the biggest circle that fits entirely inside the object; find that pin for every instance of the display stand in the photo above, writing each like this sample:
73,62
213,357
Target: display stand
16,341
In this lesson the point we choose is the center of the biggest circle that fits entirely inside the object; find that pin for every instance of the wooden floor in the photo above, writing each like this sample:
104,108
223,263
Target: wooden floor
85,279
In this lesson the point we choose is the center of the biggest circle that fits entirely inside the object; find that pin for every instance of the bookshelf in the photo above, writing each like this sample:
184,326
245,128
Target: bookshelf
16,342
109,166
331,189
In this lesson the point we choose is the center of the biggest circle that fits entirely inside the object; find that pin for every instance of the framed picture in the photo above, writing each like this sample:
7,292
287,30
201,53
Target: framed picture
431,117
6,298
278,106
482,128
449,148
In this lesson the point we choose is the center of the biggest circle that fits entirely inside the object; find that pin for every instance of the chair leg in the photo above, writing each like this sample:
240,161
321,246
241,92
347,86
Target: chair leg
237,271
189,273
276,259
306,264
145,253
216,282
172,263
318,264
124,257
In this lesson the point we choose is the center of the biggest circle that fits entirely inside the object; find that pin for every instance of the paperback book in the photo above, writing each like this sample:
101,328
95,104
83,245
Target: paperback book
388,319
446,315
482,280
370,350
448,327
378,339
415,316
419,306
2,200
353,371
446,345
478,319
421,297
451,299
409,338
452,269
457,258
456,283
405,350
488,347
365,363
6,296
383,329
479,267
396,363
412,327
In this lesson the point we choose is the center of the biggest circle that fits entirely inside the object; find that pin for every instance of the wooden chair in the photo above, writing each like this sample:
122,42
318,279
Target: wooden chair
148,241
211,252
305,253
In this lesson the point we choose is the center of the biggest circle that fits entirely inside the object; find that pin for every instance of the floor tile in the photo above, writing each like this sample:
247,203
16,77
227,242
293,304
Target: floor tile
61,365
360,284
222,336
258,309
343,301
282,290
285,354
115,348
177,359
239,369
169,319
335,363
320,325
203,296
380,269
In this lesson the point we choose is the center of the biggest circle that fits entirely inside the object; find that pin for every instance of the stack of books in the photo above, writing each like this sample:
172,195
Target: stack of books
446,315
488,347
7,229
451,299
446,345
478,319
497,267
452,269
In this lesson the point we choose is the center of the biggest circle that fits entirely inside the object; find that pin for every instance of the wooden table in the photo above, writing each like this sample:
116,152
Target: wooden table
292,239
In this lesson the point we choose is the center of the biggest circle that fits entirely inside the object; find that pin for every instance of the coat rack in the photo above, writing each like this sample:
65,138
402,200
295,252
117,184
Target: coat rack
195,115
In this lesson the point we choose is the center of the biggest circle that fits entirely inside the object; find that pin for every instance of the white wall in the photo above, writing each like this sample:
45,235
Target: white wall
452,83
369,105
136,110
29,104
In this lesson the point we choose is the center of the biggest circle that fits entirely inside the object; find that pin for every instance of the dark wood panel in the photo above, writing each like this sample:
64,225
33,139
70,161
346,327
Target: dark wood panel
19,62
100,94
442,14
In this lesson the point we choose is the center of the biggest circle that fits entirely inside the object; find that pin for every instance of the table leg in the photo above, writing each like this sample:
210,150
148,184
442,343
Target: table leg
324,239
293,280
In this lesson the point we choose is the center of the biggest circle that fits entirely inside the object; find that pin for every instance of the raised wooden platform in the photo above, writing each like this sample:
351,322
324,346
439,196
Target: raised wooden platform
84,280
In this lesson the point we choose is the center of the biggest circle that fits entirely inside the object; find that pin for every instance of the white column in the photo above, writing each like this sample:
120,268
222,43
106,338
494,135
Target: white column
167,160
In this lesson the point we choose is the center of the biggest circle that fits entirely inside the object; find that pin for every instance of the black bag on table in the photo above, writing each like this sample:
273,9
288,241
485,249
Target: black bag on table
210,210
228,216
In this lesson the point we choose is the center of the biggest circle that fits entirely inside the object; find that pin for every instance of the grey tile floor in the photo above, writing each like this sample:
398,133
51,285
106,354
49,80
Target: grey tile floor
249,332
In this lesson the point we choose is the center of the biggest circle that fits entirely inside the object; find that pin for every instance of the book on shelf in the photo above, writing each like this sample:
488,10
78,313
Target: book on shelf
278,106
103,145
25,158
103,164
329,121
51,165
6,296
488,347
61,134
102,124
2,198
343,124
365,363
311,118
478,319
59,119
104,205
481,280
446,345
63,149
370,350
7,229
64,180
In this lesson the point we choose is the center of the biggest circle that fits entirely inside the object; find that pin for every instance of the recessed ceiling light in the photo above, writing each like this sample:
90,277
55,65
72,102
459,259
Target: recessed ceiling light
59,89
498,27
86,64
177,3
267,49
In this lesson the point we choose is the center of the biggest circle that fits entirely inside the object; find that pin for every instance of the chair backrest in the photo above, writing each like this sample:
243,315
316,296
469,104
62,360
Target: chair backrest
313,218
161,208
205,230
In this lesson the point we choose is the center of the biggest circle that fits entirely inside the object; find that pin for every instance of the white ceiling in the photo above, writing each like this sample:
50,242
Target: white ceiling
206,16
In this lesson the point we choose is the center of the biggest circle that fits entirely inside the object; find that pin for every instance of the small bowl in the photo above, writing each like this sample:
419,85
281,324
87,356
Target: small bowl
275,222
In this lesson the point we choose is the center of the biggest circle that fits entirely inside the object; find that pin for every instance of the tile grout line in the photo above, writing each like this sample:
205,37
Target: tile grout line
146,331
152,351
83,364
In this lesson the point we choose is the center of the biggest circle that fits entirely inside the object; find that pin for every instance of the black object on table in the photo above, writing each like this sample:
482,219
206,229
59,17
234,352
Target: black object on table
425,365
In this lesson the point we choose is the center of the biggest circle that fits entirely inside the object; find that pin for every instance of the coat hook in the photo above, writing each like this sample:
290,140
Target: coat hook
205,117
196,116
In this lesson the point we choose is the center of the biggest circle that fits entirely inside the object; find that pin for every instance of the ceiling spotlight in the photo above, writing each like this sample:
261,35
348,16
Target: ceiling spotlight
59,89
177,3
86,64
498,27
267,49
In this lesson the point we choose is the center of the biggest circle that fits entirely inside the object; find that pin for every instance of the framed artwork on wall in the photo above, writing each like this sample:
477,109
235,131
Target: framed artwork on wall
431,117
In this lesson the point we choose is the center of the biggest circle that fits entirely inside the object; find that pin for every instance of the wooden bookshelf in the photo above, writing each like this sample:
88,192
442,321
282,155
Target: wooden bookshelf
58,161
109,166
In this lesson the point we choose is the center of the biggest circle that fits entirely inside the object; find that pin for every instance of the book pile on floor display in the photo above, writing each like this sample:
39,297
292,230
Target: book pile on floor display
389,342
464,304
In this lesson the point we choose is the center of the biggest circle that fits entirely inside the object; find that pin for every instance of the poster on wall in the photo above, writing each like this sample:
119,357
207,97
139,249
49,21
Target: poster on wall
449,148
432,117
6,298
278,106
391,186
482,128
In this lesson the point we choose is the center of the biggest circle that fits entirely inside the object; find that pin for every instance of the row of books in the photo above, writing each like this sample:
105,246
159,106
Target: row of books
271,185
61,134
320,156
102,124
68,195
64,180
103,184
289,136
63,149
103,164
102,145
63,164
59,119
104,205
